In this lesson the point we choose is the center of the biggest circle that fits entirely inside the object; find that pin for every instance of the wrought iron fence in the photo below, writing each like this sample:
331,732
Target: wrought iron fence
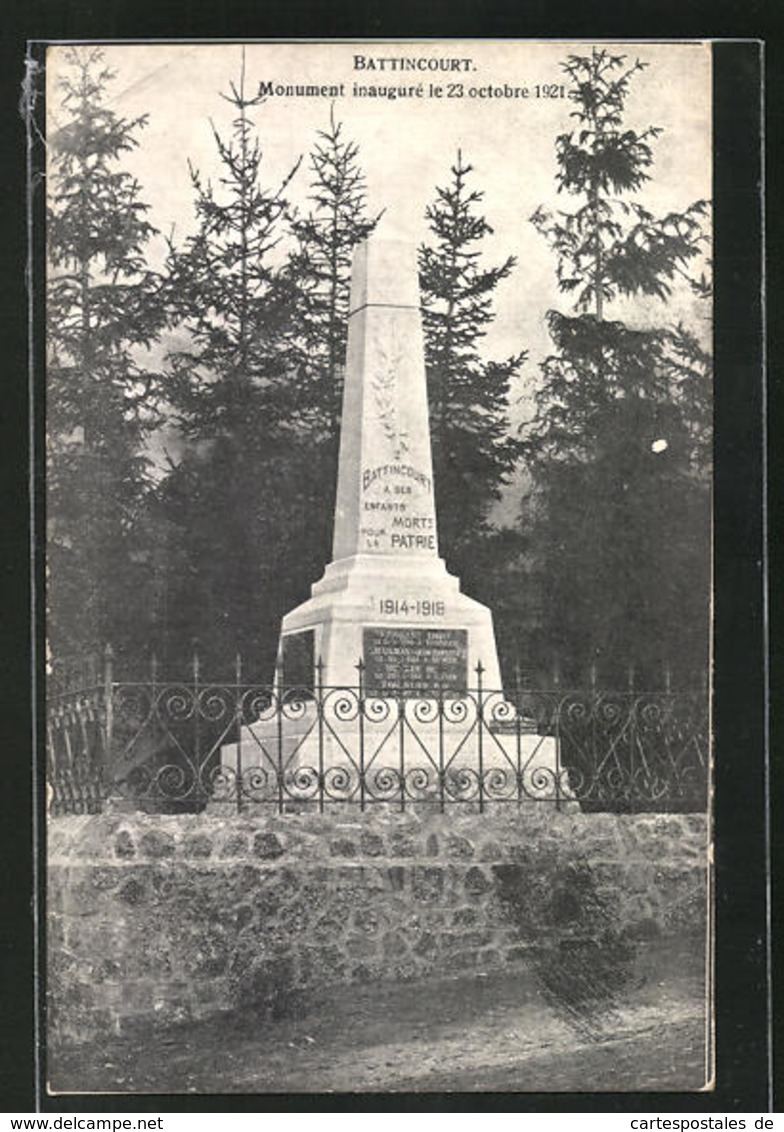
170,746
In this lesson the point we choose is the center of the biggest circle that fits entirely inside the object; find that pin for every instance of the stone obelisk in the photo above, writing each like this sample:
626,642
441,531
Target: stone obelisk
386,598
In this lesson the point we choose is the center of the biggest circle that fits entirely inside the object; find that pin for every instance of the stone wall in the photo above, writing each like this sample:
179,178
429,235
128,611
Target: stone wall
158,919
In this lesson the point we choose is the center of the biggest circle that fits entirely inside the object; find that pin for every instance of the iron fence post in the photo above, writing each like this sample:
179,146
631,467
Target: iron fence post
320,720
361,731
154,694
401,711
670,711
441,771
280,692
594,746
195,670
238,724
558,768
632,740
519,752
107,769
557,717
480,725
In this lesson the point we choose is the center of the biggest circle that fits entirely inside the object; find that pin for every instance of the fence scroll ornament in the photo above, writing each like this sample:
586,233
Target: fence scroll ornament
161,745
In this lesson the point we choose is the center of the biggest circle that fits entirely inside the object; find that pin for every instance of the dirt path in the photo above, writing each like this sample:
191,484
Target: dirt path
503,1033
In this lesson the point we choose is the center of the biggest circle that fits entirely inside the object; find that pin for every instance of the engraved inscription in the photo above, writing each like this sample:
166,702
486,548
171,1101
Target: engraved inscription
397,505
404,607
421,662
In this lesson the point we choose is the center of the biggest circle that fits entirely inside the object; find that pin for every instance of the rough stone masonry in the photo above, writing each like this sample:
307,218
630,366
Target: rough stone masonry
154,920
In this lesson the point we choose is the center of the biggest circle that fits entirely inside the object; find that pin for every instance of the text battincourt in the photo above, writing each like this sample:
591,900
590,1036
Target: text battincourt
411,63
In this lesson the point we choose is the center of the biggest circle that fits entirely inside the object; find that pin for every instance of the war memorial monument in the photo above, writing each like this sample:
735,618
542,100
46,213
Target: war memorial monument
405,664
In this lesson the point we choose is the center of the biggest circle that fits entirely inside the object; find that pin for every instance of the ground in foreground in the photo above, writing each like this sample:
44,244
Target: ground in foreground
505,1033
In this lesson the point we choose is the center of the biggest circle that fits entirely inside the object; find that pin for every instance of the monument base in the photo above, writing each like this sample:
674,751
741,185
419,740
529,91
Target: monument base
388,690
388,592
344,748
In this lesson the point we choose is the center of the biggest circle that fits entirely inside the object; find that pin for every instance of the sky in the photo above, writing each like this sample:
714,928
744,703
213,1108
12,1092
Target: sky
407,144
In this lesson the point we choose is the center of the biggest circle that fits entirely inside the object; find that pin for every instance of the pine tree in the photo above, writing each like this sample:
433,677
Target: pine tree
230,294
319,274
240,404
103,310
321,265
473,454
618,448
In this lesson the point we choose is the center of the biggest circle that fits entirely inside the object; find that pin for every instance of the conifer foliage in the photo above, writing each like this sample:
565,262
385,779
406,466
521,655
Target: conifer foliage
618,449
229,294
103,311
233,498
319,274
473,454
320,265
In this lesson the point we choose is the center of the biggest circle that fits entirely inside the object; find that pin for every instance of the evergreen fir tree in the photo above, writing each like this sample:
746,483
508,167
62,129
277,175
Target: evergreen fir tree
473,454
319,273
321,265
103,309
618,448
236,495
229,293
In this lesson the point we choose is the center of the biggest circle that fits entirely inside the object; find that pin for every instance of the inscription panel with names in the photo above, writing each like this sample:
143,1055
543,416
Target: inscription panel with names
419,661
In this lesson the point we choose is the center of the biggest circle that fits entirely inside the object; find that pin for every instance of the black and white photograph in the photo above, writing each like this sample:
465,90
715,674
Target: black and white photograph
379,479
